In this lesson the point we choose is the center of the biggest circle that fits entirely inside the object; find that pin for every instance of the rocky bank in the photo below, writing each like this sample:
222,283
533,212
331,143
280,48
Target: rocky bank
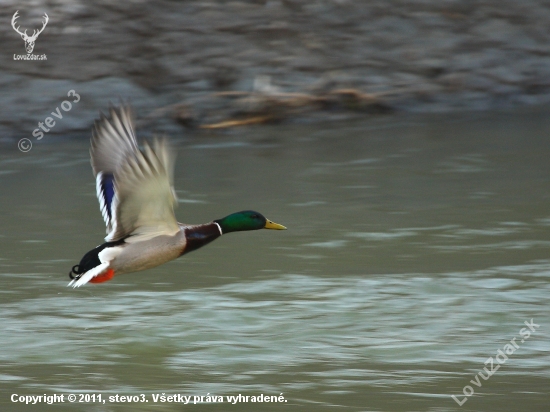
196,63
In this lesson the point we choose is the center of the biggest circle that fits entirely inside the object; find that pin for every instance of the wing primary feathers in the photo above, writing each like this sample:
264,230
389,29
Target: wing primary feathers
134,187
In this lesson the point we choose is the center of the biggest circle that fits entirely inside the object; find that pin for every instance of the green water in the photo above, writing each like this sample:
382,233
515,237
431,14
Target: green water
417,247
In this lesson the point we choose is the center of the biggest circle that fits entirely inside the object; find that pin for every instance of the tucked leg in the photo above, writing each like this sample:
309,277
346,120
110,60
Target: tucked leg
103,277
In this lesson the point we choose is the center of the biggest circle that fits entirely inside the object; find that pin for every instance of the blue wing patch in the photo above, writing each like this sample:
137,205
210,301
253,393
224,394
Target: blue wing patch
105,185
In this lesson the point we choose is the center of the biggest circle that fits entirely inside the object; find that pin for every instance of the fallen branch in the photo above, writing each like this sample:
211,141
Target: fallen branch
234,123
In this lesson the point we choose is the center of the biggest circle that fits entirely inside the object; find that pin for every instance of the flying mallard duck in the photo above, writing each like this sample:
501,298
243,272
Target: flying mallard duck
137,200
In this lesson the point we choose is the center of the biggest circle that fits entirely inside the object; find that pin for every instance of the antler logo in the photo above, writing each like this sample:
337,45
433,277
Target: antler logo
29,40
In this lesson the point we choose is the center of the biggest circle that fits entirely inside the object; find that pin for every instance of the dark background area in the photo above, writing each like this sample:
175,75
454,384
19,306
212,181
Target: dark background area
205,62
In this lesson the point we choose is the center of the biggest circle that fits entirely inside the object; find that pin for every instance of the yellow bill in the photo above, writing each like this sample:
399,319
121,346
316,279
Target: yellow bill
272,225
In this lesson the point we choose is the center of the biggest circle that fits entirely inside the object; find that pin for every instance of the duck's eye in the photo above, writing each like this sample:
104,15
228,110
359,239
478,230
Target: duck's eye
255,216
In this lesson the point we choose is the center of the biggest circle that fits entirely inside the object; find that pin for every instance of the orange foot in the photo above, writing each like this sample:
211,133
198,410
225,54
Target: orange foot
103,277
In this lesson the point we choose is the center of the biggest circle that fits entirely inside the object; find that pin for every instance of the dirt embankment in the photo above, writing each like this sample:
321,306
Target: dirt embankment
225,63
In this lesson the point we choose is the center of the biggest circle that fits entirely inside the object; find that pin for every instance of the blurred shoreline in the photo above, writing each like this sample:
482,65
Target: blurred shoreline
223,64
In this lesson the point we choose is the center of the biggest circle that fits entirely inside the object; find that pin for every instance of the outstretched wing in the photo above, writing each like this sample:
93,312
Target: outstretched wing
134,187
145,198
113,140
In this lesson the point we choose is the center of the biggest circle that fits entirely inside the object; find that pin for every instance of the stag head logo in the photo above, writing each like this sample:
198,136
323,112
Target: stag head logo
29,40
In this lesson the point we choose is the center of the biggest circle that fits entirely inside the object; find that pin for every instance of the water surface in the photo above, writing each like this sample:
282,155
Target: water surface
417,247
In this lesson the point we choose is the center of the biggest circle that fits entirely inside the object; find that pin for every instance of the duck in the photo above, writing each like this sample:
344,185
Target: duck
137,199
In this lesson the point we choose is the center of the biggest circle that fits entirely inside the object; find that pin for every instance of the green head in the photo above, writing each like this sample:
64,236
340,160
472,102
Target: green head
246,220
